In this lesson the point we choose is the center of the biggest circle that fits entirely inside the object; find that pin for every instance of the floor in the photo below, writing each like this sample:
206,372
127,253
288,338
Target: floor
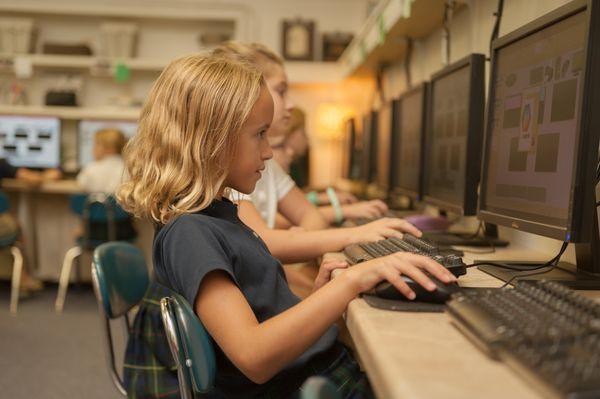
45,355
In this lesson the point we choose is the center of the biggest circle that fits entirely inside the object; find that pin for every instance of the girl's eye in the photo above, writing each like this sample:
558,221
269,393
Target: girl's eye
261,134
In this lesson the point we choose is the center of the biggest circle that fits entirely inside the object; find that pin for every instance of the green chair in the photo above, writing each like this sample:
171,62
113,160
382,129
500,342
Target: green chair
9,241
191,347
120,279
103,220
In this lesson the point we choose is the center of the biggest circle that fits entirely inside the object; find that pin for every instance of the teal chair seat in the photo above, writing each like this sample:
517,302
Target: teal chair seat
120,279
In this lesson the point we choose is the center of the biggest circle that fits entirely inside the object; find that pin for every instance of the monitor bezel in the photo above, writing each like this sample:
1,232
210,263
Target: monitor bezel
582,195
369,149
349,147
398,190
393,120
476,63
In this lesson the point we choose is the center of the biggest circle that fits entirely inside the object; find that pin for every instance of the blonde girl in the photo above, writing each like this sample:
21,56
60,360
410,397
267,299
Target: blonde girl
203,131
276,192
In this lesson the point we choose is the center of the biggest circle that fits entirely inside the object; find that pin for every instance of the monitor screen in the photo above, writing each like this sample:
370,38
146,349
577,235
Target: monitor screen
348,150
369,148
384,143
30,141
87,130
533,118
408,144
447,142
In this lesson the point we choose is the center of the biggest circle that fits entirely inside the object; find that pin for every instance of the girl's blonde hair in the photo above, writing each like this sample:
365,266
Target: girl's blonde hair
187,136
258,54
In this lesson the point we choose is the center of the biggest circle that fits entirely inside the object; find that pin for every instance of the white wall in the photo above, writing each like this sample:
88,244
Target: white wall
470,33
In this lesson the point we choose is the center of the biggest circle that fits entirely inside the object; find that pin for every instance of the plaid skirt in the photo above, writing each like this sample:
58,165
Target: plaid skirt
150,371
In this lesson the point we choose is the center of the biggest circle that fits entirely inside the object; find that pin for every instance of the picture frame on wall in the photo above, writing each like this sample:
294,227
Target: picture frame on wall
298,40
334,45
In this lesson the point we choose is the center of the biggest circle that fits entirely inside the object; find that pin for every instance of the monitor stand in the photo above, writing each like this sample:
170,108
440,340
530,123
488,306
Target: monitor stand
565,273
489,239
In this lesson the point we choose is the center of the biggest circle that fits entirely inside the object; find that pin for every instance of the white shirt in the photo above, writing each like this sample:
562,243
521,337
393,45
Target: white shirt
273,185
103,176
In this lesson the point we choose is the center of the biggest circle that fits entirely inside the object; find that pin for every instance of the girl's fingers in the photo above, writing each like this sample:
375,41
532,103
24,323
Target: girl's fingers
418,276
394,278
437,270
409,228
381,206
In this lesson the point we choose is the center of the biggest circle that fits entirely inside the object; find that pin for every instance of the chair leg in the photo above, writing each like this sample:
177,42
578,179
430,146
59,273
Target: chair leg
16,278
65,273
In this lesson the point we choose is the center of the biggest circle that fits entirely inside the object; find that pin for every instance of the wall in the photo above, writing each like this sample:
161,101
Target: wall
470,33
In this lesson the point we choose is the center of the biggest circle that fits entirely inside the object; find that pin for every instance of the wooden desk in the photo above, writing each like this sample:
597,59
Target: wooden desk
48,225
421,355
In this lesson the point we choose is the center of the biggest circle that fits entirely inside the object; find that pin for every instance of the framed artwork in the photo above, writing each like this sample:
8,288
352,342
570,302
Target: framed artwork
334,45
298,40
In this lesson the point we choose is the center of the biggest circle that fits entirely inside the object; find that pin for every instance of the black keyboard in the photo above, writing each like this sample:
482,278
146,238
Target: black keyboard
547,332
363,252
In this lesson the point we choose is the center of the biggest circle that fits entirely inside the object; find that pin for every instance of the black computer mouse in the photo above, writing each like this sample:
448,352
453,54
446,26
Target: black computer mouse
442,294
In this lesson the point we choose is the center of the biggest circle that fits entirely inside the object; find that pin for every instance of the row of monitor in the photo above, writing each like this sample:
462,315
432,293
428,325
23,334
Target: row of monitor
534,159
35,142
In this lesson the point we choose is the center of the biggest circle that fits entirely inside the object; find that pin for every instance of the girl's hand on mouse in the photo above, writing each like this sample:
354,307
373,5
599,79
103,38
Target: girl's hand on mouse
327,267
366,275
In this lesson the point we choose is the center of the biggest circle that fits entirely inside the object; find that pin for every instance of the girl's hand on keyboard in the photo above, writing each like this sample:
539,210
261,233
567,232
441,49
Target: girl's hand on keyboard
345,197
365,209
385,228
327,267
367,274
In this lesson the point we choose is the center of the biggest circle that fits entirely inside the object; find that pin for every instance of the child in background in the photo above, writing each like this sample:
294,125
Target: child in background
181,165
105,173
290,150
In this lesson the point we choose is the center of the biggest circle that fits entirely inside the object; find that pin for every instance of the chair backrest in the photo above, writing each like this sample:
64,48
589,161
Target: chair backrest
120,277
120,280
99,205
191,347
103,218
4,203
319,388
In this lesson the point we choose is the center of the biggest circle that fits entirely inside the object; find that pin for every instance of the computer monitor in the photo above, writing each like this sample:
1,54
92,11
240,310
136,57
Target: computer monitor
30,141
543,124
348,148
454,136
87,130
386,123
369,148
408,143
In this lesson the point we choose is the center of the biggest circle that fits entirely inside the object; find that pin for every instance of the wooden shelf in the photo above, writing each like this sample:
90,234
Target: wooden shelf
73,113
82,62
383,37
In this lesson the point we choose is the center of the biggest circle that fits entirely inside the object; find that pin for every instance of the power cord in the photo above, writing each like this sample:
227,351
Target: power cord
552,263
496,29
